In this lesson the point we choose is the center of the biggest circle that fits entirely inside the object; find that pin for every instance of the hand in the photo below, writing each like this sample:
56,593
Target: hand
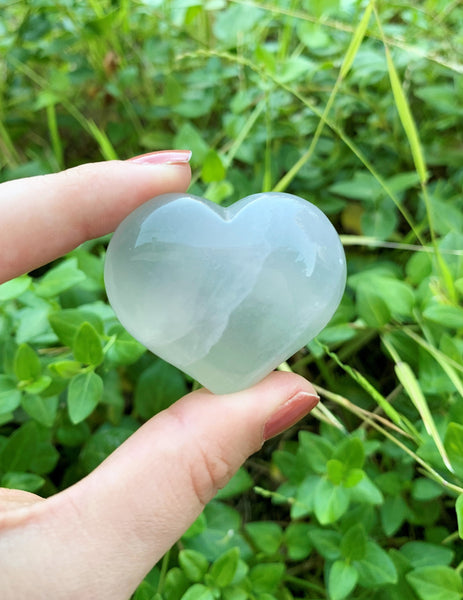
100,537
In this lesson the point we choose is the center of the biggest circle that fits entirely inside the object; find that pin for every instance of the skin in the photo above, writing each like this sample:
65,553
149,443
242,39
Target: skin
99,538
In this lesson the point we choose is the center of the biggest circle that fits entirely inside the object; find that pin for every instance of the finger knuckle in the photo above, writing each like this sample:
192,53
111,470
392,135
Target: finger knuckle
207,463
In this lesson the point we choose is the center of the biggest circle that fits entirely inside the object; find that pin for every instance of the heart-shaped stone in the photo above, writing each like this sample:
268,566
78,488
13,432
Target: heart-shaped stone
225,294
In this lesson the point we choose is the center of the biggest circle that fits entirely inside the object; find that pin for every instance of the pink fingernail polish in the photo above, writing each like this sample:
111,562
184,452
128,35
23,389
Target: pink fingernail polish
290,413
163,157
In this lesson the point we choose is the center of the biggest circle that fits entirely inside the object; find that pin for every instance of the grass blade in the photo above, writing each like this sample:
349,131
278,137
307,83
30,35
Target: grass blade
107,149
411,386
356,41
389,410
411,131
228,159
406,118
54,135
304,15
333,126
351,52
442,359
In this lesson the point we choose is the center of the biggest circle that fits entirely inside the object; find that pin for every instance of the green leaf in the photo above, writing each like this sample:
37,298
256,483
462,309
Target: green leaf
14,288
125,350
29,482
242,571
297,540
424,489
331,501
236,593
267,536
354,543
224,568
197,527
84,393
440,97
379,221
6,417
342,580
397,295
453,443
189,137
102,443
424,554
335,471
459,285
295,67
371,307
65,323
222,517
20,449
317,450
26,363
38,386
193,564
173,90
362,186
266,577
65,368
213,542
10,396
376,568
33,323
418,267
238,484
393,513
43,410
91,265
289,465
436,583
158,387
232,24
60,278
366,491
145,591
73,435
351,453
305,497
45,457
175,584
449,316
459,511
198,591
213,169
87,345
326,542
353,477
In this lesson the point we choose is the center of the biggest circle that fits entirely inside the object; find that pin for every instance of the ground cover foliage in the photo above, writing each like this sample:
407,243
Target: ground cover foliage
356,106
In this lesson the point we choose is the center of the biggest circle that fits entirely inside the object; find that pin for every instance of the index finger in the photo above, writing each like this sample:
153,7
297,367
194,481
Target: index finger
44,217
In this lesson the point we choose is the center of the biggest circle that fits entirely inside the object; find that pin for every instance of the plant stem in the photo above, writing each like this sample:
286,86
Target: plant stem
162,575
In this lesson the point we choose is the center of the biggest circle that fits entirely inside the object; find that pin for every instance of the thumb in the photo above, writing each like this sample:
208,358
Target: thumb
136,504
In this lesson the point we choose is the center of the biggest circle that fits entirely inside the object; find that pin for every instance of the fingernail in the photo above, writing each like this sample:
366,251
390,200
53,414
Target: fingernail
290,413
163,157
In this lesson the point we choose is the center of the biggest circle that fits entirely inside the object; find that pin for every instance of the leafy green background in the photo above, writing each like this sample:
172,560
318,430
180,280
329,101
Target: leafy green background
356,106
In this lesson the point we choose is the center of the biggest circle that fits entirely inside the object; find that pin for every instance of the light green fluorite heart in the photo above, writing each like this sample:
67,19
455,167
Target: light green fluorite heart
225,294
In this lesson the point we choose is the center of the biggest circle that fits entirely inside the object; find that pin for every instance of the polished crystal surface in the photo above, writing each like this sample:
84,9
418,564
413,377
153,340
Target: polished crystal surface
225,294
